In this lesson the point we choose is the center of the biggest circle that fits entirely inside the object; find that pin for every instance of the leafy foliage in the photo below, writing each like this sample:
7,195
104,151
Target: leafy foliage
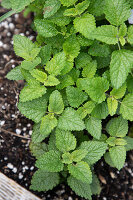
65,141
95,151
52,162
81,171
78,80
70,120
41,180
118,156
117,11
120,66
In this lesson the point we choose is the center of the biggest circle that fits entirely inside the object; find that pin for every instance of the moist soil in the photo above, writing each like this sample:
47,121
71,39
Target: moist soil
16,161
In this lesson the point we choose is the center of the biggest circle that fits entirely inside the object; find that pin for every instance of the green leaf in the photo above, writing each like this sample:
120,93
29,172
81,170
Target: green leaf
34,109
15,74
100,50
90,69
51,81
67,68
86,109
49,122
120,142
71,47
80,188
51,7
65,140
67,158
33,91
129,145
85,24
108,159
118,156
78,155
24,47
70,120
75,96
96,7
20,5
118,93
94,127
50,162
82,60
56,104
68,2
56,64
95,150
79,8
130,35
106,33
45,54
37,136
120,66
95,185
112,105
100,111
117,12
38,149
74,73
130,83
30,65
59,19
126,108
39,75
111,141
65,81
6,4
103,62
117,127
45,28
122,30
96,88
52,142
84,41
41,181
27,76
81,171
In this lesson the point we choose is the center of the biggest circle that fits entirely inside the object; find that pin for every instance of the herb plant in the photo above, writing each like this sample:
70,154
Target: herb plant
78,88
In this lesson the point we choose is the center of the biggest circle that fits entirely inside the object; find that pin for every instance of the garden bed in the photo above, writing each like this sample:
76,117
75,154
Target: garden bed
16,160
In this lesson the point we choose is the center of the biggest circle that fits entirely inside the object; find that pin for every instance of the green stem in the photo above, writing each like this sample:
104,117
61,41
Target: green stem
119,46
6,15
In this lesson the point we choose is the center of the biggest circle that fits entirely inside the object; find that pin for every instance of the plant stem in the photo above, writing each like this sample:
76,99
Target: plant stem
14,134
6,15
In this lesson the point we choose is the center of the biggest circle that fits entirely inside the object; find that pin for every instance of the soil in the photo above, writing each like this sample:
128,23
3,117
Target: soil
16,160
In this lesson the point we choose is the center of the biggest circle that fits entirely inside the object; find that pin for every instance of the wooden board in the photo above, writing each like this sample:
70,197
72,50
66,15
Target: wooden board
10,190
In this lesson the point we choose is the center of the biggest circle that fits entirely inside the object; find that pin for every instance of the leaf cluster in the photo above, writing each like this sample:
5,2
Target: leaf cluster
79,80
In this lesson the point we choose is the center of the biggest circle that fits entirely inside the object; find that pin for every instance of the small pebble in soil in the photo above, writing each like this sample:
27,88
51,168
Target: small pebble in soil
1,44
20,176
24,129
2,123
32,168
23,162
10,166
30,132
15,170
18,131
13,66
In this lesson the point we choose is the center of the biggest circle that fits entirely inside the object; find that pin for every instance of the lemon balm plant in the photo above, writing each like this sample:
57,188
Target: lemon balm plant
78,88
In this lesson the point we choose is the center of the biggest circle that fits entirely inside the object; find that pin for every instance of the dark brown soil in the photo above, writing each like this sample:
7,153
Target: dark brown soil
15,159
